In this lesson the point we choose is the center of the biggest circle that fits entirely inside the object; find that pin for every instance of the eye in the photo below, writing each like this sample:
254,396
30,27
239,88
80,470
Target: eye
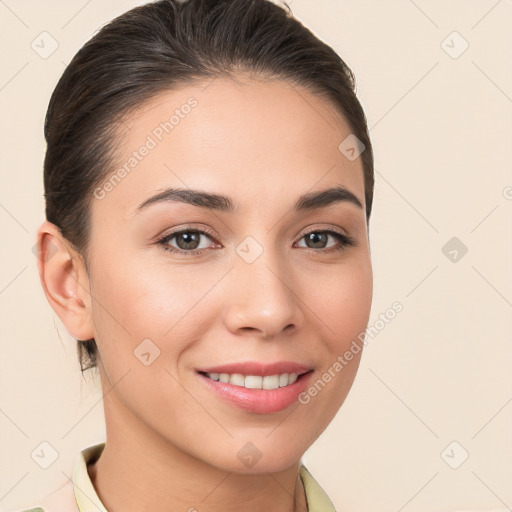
319,238
188,241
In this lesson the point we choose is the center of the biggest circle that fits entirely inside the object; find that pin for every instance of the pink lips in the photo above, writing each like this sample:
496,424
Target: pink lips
259,401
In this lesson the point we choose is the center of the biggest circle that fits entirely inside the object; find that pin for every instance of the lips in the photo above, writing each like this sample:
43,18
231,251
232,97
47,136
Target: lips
257,368
259,401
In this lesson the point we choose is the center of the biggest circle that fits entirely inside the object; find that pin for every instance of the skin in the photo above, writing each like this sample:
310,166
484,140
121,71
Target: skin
263,143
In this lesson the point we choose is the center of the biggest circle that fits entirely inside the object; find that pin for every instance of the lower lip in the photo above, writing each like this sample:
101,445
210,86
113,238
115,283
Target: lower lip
259,401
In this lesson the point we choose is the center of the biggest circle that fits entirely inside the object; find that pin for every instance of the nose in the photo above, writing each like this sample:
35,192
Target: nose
262,299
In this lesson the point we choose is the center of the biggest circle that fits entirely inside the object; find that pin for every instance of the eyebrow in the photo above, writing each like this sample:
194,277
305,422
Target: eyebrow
222,203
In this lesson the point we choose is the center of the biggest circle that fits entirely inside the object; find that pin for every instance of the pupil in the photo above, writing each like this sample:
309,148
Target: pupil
314,237
193,239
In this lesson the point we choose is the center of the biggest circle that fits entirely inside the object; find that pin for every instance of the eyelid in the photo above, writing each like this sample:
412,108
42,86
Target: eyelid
186,228
340,231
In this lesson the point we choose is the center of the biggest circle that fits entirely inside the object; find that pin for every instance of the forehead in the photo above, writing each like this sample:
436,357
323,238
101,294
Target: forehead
245,138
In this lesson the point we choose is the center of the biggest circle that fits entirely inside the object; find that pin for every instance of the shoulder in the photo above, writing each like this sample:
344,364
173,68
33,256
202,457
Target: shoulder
317,499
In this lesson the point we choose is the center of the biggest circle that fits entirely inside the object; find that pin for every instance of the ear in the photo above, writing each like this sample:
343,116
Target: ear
65,281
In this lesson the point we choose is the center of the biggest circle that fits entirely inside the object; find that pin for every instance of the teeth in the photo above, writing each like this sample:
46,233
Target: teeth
255,381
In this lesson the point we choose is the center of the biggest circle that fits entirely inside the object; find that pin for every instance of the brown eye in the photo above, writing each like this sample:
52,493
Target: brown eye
318,240
187,241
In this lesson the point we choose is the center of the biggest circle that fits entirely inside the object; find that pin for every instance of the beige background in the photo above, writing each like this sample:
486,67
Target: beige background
439,372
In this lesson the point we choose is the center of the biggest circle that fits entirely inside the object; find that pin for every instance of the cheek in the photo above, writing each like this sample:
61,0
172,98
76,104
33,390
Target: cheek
342,303
341,307
144,320
143,297
134,301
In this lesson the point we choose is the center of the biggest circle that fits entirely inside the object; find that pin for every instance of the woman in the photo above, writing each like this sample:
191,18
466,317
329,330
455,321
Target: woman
208,183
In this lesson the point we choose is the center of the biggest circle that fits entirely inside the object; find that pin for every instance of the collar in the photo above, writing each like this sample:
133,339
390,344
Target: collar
88,501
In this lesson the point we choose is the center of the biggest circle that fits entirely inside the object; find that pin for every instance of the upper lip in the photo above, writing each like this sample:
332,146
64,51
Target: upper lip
257,368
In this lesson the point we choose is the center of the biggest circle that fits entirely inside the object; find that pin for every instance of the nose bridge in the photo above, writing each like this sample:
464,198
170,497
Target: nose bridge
263,297
264,267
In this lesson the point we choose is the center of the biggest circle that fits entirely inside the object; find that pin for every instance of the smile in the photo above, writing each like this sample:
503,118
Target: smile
260,394
255,381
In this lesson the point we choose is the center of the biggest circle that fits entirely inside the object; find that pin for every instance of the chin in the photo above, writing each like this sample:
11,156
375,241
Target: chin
260,457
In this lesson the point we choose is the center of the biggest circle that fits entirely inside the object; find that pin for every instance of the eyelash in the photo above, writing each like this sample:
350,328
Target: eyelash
344,241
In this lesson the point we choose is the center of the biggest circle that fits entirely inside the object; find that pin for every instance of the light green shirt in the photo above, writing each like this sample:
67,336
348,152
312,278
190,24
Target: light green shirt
79,495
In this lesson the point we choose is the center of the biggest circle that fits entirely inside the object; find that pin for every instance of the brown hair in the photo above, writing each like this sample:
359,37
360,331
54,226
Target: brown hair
161,46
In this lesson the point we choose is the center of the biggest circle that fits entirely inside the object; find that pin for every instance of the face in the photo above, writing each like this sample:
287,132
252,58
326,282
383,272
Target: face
190,284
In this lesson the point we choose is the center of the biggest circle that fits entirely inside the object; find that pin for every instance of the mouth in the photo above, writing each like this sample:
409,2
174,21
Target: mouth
268,382
259,394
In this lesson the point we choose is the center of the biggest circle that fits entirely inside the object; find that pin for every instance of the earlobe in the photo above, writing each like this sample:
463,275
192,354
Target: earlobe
65,281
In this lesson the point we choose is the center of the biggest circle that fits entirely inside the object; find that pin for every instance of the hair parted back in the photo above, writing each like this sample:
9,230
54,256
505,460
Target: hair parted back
165,45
